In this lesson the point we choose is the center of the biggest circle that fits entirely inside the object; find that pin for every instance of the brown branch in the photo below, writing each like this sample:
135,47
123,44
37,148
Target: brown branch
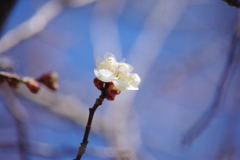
13,79
98,102
5,8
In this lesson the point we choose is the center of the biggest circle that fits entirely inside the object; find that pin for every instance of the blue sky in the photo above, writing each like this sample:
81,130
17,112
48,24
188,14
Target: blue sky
178,49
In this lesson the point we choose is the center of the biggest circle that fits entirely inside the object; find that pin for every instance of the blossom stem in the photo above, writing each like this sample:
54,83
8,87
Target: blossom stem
98,102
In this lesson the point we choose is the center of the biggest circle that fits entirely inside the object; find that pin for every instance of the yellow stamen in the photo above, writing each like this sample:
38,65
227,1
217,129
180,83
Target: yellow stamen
123,60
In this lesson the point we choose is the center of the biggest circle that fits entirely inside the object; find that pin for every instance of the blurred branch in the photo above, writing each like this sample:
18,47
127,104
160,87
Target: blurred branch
13,80
5,8
104,28
20,116
224,80
53,151
42,149
235,3
118,153
47,150
229,147
32,26
113,153
36,23
159,23
67,106
8,145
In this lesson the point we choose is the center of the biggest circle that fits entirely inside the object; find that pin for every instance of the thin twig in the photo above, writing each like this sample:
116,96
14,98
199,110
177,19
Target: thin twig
224,80
229,148
20,117
92,110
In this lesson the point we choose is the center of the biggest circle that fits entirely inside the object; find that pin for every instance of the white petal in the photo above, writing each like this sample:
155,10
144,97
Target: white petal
134,82
96,72
122,69
109,55
104,75
123,86
129,67
135,76
98,62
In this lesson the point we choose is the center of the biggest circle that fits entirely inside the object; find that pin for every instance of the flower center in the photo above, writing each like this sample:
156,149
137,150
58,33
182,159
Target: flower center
118,73
119,69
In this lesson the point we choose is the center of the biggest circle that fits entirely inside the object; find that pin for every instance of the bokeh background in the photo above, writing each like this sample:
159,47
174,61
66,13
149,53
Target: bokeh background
185,51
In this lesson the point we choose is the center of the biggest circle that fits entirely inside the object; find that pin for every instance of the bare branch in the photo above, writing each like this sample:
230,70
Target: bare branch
92,110
127,133
226,76
67,106
36,23
20,116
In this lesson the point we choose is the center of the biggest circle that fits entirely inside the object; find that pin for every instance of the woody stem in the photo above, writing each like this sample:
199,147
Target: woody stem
98,102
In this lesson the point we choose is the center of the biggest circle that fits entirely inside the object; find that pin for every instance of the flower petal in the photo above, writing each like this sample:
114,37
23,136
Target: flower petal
104,75
119,73
98,62
135,80
135,76
129,67
123,86
109,55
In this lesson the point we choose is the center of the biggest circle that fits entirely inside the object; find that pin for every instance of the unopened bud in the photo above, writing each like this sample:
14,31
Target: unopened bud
12,82
53,86
112,91
51,77
33,85
49,80
98,84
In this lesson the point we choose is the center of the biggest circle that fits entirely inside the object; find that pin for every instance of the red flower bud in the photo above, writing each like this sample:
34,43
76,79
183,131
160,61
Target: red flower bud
53,86
98,84
12,82
112,91
33,85
49,80
51,77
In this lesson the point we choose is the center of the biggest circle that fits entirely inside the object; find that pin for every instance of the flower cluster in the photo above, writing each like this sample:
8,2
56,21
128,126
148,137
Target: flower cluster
117,74
13,80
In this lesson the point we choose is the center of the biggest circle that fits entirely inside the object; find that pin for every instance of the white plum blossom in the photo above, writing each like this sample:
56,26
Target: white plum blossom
109,70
